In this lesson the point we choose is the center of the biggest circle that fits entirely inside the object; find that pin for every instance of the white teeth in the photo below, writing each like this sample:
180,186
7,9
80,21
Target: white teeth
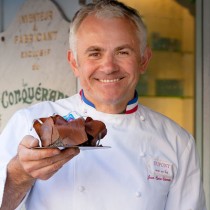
109,80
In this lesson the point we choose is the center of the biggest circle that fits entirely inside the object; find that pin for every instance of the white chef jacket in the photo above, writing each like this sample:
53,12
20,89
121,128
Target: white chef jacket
151,165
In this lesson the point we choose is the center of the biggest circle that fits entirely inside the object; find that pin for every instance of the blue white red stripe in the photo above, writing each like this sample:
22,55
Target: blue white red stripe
132,105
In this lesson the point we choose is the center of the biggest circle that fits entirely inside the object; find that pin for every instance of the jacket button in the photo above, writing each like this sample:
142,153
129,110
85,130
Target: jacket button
142,118
138,194
81,188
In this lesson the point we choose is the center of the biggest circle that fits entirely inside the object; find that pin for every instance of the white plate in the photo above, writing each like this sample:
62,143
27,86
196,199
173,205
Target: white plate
80,147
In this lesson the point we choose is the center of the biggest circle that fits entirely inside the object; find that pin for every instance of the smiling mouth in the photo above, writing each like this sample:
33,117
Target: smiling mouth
109,80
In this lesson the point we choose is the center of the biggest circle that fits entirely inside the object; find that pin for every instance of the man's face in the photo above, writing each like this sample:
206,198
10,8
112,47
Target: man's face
108,62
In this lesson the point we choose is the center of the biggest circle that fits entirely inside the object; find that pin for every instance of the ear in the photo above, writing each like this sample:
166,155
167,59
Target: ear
73,63
145,60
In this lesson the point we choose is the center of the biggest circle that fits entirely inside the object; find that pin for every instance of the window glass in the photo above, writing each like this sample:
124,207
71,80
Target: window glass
168,84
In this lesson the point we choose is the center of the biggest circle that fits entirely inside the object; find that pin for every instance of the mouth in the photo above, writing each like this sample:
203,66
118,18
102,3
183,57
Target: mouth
109,80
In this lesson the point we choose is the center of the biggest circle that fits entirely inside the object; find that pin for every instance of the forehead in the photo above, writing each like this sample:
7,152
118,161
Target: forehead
93,20
96,28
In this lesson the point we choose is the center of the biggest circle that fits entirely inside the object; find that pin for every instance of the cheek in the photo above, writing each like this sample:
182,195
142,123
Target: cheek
135,75
134,70
86,70
83,76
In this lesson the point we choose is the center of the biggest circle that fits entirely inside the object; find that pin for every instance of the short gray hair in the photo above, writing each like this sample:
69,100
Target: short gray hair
108,9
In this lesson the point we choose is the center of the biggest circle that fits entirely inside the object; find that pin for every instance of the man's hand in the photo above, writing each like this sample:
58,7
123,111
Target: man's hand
30,164
42,163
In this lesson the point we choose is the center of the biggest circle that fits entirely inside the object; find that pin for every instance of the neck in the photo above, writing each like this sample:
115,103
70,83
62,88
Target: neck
111,109
127,107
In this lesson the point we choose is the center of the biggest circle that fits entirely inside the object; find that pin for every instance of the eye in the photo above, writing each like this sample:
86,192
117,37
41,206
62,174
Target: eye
123,52
94,55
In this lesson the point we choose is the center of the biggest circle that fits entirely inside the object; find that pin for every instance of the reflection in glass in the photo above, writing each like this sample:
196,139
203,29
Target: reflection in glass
168,84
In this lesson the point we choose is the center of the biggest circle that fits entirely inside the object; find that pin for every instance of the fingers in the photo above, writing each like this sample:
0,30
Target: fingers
29,142
42,163
45,168
26,151
49,170
46,161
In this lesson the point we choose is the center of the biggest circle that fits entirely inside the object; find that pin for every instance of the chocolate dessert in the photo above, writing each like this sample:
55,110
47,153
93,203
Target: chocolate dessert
55,131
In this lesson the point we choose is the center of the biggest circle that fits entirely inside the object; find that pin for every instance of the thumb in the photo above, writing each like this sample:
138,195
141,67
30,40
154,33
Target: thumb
29,141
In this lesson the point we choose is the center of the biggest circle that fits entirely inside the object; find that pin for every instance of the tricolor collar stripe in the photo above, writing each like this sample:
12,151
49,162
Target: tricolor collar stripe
130,111
85,99
131,107
134,100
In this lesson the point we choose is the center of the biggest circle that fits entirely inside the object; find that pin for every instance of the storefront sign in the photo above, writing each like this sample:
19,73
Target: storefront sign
33,59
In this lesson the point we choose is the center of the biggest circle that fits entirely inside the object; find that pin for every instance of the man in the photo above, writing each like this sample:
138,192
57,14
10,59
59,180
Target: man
152,163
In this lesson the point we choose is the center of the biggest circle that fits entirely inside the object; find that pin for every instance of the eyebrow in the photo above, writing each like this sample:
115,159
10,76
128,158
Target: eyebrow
126,46
93,48
99,49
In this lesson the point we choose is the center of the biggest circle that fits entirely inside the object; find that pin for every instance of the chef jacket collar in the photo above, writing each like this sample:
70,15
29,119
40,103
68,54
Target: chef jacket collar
131,107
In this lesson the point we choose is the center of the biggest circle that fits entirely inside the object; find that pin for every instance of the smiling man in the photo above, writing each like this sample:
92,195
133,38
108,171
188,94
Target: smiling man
152,163
108,61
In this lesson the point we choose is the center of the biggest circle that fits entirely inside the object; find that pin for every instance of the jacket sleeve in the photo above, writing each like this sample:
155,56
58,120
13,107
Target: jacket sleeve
17,127
186,192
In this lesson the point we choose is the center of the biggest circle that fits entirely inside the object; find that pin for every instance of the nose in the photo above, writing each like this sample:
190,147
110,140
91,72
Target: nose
109,64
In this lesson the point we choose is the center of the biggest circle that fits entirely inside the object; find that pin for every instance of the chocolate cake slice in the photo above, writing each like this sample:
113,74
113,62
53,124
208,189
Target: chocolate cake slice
55,131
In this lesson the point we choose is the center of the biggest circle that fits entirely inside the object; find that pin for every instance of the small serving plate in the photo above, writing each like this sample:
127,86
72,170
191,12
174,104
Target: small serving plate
80,147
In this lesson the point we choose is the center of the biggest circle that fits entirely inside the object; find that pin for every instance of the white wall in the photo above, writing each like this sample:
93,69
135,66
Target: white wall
9,8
